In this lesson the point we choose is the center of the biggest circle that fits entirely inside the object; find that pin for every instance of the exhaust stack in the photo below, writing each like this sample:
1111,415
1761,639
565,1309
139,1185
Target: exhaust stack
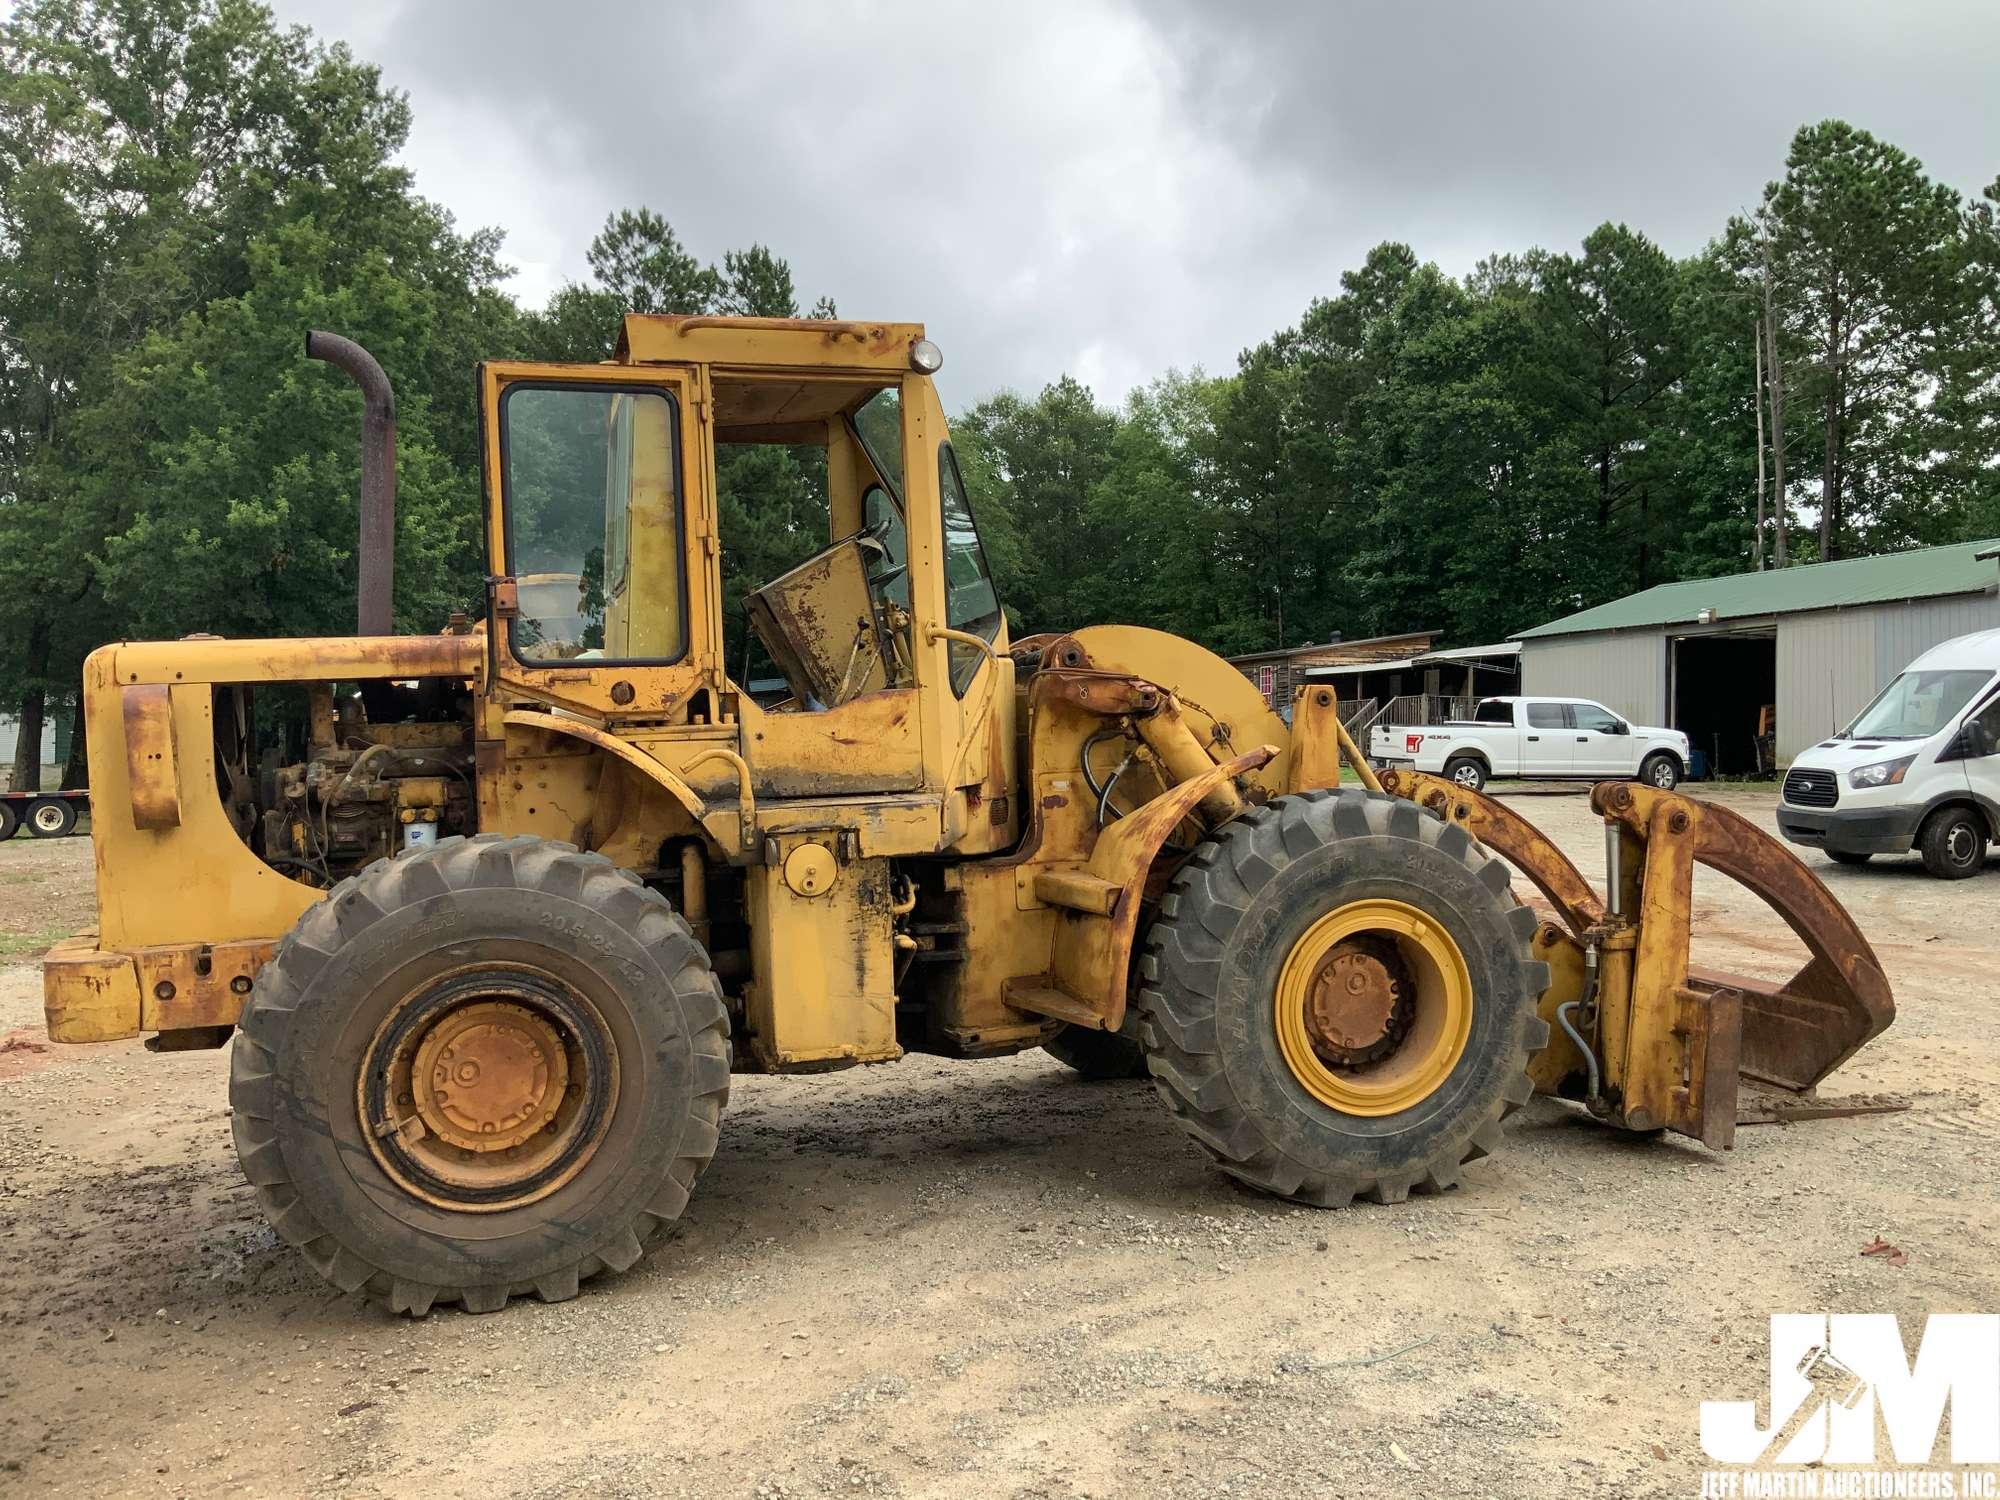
375,589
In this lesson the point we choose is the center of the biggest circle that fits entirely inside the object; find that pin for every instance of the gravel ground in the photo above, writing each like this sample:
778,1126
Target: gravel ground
994,1278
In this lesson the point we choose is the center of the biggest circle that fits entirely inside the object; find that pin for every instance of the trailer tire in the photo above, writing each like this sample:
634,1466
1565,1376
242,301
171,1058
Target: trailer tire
10,821
1468,771
531,962
51,817
1097,1055
1219,968
1953,843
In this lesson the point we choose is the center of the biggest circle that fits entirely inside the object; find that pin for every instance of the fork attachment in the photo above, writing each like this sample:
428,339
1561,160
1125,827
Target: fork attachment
1646,1039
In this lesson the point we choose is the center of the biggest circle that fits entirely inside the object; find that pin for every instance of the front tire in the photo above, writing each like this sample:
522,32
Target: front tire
1338,999
491,1067
51,817
1953,843
1662,771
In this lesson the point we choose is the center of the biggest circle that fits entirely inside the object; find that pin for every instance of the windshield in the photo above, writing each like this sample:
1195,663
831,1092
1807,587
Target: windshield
1917,705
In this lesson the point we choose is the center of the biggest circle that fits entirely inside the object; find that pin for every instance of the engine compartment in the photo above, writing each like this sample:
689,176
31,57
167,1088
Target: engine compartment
371,771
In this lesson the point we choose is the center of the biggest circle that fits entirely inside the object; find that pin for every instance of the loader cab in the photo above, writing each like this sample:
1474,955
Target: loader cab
732,498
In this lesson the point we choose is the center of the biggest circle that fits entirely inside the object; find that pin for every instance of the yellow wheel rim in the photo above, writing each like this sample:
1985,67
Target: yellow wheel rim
1374,1008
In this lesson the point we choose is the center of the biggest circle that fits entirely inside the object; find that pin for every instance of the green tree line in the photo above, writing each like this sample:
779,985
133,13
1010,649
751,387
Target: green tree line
186,187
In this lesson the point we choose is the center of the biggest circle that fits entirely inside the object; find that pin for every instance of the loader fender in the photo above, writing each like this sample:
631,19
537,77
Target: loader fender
1093,953
719,822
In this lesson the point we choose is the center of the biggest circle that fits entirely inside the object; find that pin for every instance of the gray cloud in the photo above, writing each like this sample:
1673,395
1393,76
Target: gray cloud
1113,189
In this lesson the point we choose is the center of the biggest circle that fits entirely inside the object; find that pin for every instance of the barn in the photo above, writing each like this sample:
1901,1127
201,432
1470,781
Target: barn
1718,658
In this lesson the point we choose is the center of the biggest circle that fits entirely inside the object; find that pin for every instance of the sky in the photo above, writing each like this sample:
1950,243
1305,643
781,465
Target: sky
1111,189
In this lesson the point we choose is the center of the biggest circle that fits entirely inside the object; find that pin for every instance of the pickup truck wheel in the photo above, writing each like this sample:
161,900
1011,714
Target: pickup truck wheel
1953,843
1338,999
10,821
1467,771
492,1067
1662,771
51,818
1097,1055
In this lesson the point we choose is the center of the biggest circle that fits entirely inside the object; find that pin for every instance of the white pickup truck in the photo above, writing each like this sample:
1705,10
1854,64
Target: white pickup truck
1544,739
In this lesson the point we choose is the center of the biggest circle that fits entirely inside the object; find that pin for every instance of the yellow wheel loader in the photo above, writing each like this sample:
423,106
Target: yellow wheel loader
489,917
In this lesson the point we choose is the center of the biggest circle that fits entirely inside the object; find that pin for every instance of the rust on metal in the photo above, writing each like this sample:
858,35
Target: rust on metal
1360,1003
1797,1032
1509,835
151,772
488,1076
376,591
196,984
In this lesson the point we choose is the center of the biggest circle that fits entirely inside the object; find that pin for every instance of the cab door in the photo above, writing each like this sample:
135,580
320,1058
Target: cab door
599,538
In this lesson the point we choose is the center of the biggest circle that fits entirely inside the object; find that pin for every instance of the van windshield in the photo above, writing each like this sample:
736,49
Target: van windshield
1917,705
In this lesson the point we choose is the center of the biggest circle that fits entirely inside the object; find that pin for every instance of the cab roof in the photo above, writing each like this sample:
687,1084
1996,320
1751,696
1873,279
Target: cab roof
771,343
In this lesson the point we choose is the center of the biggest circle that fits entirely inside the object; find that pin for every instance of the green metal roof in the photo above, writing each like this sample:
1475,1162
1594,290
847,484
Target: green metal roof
1923,574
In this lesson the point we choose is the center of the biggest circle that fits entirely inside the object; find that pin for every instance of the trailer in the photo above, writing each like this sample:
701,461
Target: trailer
48,815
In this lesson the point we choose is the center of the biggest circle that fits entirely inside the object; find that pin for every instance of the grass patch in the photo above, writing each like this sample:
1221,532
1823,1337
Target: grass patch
22,944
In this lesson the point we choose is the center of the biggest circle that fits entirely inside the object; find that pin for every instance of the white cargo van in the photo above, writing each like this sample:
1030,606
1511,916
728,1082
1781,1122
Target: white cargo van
1917,769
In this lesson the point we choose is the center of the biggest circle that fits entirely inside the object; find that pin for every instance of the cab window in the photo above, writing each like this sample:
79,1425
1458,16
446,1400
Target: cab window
970,602
1548,716
591,488
1597,720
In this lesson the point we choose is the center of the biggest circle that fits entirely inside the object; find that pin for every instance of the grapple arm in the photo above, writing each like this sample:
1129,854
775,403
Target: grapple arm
1670,1040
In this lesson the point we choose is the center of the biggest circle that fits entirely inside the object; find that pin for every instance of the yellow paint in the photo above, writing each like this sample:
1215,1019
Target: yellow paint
1424,1059
823,990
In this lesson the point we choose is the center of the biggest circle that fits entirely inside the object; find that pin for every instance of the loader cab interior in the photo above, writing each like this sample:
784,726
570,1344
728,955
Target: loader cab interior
814,533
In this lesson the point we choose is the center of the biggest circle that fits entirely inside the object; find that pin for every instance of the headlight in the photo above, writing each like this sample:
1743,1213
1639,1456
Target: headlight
1882,773
926,358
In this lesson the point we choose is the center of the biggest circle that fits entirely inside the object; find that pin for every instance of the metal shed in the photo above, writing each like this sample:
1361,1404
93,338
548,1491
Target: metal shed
1708,655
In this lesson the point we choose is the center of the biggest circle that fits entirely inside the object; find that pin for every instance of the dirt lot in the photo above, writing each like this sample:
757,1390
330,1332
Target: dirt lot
993,1279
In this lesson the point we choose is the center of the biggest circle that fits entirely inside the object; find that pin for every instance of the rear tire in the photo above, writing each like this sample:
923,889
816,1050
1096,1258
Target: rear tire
532,964
51,817
10,821
1097,1055
1467,771
1219,964
1848,856
1661,771
1953,843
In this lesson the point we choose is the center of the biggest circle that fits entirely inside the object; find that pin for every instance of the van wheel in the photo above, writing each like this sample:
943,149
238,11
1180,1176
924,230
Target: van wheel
1953,843
1662,771
1466,771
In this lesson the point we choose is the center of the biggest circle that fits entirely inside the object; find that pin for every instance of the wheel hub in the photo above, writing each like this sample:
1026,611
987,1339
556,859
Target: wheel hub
1373,1007
488,1076
1360,1002
488,1088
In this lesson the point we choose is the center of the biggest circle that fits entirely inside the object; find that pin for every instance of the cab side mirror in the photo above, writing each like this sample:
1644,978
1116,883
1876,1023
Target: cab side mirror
1619,726
1975,737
